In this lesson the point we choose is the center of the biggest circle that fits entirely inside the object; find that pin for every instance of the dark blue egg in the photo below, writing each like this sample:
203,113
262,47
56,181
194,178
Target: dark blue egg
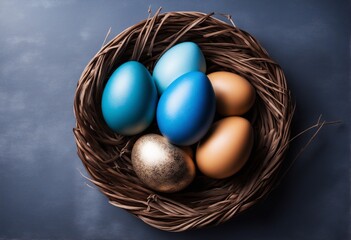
186,109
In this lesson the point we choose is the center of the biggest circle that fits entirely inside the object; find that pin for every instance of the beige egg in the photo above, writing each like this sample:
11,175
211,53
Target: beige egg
161,165
234,94
226,148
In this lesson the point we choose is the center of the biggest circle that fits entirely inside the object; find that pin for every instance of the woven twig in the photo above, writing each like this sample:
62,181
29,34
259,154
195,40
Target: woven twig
106,155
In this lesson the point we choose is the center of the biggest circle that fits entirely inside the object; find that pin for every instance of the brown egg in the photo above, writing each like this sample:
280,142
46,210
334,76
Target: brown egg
226,148
234,94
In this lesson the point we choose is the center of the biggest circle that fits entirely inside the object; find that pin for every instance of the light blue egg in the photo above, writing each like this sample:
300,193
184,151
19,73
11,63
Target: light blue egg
186,109
178,60
129,99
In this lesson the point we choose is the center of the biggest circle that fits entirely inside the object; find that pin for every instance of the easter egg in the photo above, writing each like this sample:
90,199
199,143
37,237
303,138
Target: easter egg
161,165
186,109
226,147
176,61
234,94
129,99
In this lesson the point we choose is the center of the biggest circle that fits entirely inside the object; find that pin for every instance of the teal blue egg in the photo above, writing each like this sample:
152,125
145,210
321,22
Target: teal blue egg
178,60
129,99
186,109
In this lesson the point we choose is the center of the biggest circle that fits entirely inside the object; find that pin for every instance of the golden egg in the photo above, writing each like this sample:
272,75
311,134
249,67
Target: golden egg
226,148
160,165
234,94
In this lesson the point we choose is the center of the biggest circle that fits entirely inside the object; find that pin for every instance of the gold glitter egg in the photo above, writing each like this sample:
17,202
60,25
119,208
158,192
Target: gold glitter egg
161,165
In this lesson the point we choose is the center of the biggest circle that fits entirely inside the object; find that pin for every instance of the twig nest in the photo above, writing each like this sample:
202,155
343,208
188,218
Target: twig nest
107,155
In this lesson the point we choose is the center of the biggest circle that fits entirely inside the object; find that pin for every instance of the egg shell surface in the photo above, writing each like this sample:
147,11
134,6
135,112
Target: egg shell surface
226,148
234,94
129,99
186,109
161,165
176,61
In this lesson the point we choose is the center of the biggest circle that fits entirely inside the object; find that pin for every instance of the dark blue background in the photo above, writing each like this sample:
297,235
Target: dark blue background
44,47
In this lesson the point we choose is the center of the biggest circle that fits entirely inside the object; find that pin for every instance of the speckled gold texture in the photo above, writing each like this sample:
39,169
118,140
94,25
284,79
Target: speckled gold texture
161,165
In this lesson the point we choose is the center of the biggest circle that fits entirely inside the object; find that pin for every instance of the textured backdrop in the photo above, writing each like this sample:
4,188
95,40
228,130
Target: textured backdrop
44,46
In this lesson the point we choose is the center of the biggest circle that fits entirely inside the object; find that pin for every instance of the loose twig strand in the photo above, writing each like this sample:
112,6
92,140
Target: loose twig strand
106,155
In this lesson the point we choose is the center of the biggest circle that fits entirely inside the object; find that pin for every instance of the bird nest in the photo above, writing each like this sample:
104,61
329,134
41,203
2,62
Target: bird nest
107,155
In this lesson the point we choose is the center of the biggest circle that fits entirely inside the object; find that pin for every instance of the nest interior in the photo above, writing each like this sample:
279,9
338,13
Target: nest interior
106,155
